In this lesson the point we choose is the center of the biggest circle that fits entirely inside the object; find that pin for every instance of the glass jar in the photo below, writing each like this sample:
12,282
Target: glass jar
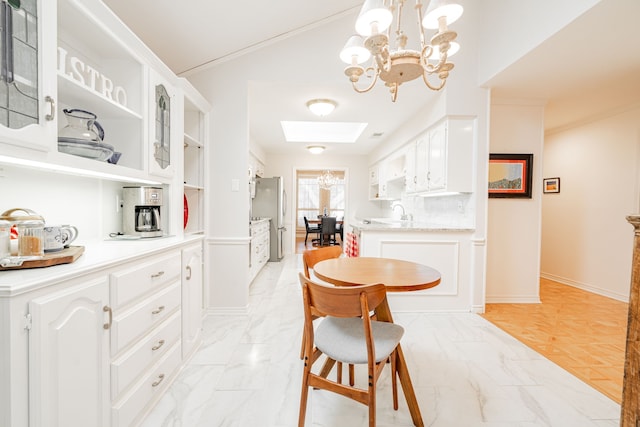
30,225
31,239
5,235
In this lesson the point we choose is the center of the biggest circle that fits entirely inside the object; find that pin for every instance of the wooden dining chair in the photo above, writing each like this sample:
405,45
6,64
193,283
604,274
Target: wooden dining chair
347,334
310,258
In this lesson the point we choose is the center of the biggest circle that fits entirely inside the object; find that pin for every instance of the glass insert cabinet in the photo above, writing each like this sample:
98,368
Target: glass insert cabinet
162,144
24,95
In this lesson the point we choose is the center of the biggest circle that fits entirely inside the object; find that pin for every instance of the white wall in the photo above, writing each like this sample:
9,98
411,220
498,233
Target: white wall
586,240
503,41
87,203
513,227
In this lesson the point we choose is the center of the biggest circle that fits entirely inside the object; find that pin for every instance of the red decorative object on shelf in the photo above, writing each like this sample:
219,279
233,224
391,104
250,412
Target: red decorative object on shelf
186,211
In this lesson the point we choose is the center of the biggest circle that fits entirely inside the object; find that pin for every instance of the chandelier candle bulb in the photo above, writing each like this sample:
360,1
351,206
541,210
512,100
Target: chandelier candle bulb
399,64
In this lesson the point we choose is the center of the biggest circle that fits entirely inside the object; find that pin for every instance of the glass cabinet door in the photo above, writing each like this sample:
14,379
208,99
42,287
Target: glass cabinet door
26,114
162,144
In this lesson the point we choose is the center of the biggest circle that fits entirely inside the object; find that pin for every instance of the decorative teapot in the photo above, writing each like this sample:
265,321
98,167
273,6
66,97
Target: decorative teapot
82,127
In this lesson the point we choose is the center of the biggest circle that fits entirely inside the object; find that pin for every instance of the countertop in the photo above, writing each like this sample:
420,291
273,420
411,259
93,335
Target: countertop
388,224
97,255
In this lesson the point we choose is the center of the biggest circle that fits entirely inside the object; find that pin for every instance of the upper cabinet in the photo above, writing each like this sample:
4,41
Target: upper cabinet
196,132
98,73
27,91
163,114
439,161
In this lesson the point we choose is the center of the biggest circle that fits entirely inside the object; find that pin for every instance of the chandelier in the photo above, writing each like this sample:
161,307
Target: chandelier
397,65
327,180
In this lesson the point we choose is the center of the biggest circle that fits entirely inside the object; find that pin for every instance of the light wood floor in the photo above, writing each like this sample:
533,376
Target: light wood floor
581,332
300,246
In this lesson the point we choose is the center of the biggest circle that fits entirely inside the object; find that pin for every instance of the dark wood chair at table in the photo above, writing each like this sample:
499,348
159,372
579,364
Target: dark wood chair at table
347,334
311,230
328,231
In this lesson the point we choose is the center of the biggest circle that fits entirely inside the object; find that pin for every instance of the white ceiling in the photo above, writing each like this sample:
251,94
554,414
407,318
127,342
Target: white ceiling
597,55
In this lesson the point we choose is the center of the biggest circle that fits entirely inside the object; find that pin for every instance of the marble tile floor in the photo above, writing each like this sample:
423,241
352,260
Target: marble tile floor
466,372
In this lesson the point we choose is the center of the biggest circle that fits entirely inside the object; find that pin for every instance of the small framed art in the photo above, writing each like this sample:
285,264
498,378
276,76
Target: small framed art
551,185
510,175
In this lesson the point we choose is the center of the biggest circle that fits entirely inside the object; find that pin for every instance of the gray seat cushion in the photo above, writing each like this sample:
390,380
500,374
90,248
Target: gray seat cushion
342,339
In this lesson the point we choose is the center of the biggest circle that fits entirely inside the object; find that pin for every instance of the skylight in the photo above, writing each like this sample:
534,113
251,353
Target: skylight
327,132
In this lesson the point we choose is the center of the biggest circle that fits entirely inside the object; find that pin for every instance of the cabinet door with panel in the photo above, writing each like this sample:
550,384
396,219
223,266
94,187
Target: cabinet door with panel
27,64
422,165
163,116
192,275
69,357
437,158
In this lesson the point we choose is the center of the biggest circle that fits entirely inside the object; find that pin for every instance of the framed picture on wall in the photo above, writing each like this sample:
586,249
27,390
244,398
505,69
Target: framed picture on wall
551,185
510,175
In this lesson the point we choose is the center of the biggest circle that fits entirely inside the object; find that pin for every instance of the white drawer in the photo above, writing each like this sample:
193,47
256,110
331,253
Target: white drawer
131,283
126,410
145,353
139,319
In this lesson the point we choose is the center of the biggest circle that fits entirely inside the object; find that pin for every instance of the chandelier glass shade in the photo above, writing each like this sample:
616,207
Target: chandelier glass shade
327,180
399,64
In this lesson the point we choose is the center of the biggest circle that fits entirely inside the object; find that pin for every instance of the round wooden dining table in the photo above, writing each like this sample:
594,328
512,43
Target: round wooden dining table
397,276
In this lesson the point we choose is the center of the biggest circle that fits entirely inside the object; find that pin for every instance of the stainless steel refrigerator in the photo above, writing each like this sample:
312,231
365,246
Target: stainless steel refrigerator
270,201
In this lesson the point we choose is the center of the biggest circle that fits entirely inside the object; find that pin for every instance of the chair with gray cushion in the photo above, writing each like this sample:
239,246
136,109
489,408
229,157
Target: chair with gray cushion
347,334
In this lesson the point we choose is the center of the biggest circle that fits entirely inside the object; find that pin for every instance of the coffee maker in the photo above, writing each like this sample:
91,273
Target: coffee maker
141,211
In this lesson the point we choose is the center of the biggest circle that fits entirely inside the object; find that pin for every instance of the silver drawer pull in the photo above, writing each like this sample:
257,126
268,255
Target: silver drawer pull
158,274
157,346
188,272
158,381
107,309
158,310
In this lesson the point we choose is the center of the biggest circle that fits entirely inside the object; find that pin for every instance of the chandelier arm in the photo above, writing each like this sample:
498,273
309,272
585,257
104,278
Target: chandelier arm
431,69
373,82
426,82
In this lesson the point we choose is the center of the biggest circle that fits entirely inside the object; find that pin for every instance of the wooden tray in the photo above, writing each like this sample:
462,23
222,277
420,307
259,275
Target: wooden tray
65,256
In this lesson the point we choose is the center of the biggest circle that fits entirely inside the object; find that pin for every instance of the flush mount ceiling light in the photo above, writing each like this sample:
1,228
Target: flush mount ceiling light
321,107
395,66
315,149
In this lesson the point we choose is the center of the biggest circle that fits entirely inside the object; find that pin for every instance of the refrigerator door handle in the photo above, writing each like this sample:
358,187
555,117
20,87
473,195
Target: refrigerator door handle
284,204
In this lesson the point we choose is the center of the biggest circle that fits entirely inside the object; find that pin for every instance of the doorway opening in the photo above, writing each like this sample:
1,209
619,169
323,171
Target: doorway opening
313,201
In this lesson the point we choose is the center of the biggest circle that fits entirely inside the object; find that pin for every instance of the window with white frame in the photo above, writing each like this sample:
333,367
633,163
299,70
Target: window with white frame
313,201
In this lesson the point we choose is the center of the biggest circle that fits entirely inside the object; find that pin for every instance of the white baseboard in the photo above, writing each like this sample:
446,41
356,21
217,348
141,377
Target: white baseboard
586,287
513,299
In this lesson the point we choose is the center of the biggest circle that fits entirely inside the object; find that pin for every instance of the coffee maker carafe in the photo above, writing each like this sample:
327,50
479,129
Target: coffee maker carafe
141,214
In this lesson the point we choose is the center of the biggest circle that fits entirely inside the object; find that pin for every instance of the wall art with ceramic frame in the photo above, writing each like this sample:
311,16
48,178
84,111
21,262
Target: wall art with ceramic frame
510,175
551,185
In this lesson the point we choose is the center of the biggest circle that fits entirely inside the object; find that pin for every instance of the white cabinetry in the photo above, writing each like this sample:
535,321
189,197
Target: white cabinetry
99,346
28,90
163,137
97,72
443,159
145,340
196,132
69,356
192,274
259,247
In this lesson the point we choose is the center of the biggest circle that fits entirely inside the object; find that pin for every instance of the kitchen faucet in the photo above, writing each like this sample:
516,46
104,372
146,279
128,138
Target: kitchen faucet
404,215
